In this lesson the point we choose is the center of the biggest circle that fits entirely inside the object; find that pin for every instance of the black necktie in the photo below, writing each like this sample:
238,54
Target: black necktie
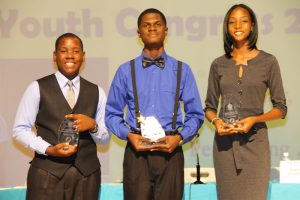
159,62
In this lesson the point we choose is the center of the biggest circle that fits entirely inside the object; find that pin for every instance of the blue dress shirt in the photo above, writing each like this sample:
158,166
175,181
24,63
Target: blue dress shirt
156,88
23,130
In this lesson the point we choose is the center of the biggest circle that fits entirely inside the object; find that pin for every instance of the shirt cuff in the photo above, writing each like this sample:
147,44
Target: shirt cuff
42,147
102,136
186,135
124,130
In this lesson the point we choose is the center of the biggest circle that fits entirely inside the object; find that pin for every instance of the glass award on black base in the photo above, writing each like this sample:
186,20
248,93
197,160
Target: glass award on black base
67,133
230,111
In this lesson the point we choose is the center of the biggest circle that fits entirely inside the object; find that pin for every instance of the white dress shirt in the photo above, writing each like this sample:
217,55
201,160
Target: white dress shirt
23,130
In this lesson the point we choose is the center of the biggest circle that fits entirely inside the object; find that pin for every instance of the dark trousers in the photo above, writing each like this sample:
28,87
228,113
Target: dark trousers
41,185
153,175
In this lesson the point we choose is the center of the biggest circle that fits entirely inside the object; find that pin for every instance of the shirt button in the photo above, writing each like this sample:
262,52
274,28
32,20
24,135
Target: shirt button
240,92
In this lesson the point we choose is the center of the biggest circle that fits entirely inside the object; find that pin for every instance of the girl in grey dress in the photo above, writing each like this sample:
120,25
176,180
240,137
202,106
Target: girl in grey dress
241,78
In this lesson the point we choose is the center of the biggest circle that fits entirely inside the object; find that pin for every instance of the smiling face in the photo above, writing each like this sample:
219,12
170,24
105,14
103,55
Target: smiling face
239,25
69,56
152,30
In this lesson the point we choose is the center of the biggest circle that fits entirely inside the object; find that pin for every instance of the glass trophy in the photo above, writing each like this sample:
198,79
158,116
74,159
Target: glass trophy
151,129
230,111
67,133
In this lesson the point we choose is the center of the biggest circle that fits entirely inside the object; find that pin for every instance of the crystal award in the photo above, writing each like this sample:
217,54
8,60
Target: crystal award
67,133
230,111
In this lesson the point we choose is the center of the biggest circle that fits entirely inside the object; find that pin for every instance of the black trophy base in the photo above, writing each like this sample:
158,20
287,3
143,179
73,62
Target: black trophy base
151,143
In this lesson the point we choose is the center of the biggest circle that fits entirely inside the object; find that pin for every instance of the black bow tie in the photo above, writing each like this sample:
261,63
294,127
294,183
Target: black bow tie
159,62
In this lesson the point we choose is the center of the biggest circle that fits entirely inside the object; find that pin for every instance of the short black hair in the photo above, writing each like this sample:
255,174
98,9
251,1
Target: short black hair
253,36
68,35
151,10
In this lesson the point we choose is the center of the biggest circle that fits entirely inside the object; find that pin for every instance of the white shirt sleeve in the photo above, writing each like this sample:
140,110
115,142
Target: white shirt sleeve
23,130
102,136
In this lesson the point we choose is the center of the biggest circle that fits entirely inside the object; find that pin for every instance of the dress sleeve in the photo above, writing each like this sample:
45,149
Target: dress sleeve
213,89
276,88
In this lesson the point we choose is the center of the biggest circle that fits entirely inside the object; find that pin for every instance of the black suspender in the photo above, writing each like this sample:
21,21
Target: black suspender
176,104
136,102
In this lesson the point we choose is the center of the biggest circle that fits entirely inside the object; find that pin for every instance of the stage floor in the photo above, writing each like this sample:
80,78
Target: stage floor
277,191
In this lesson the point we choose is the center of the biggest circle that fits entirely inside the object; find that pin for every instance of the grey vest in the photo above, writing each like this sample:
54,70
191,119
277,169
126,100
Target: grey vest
52,109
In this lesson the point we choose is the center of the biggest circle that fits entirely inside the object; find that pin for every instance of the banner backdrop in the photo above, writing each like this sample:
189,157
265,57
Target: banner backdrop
28,30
